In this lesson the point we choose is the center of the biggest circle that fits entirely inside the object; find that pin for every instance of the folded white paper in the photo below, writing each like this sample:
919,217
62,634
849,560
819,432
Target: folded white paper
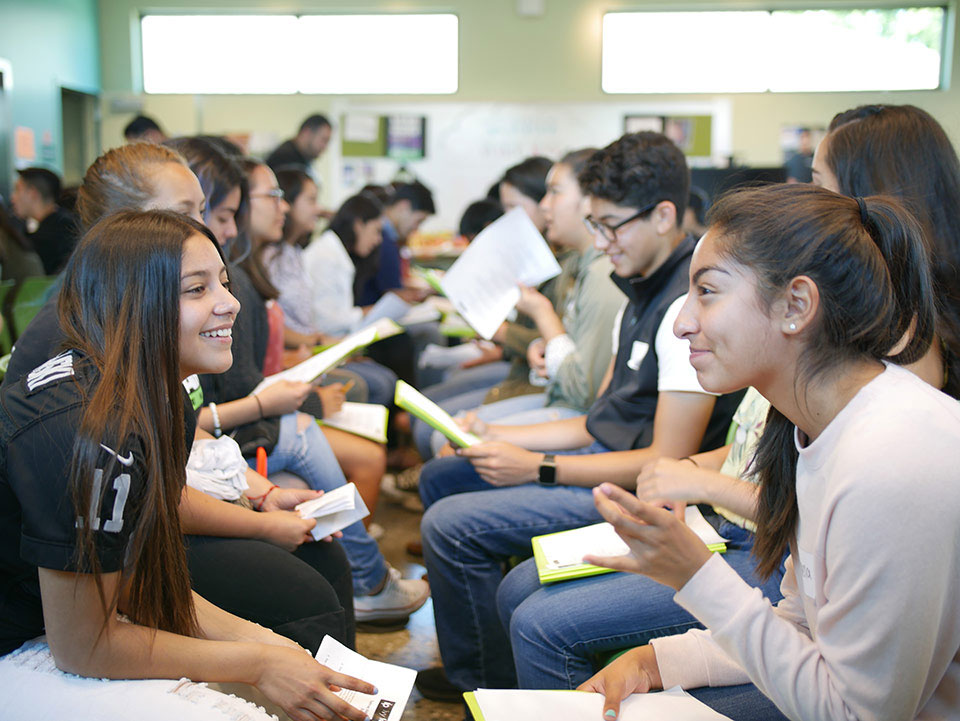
568,548
390,306
393,683
334,510
483,282
368,420
508,705
425,312
439,356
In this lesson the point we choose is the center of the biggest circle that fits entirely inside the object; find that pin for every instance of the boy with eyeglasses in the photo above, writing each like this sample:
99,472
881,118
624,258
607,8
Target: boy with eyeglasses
488,501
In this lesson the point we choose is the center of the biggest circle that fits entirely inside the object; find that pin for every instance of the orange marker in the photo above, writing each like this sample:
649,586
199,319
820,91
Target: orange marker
262,461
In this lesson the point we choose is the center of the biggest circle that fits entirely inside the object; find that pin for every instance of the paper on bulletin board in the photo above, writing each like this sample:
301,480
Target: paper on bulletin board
24,144
361,128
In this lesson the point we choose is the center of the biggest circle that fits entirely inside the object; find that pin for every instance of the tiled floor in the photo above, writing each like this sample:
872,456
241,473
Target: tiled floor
414,647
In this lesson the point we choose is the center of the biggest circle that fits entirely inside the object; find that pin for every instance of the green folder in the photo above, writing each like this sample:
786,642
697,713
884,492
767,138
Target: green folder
579,570
410,399
471,699
430,276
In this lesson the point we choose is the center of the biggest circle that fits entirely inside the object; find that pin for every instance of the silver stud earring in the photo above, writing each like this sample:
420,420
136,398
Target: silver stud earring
793,326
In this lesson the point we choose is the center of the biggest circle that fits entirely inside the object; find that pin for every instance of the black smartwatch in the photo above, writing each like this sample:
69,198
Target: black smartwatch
548,471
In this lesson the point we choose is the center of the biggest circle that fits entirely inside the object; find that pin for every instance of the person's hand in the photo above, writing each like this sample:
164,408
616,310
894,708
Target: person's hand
503,464
667,481
446,450
636,671
532,302
489,353
332,398
412,295
470,423
283,397
537,357
295,356
286,499
286,529
305,689
661,545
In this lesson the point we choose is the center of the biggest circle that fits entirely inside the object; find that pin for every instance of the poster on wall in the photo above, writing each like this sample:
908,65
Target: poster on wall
406,137
693,134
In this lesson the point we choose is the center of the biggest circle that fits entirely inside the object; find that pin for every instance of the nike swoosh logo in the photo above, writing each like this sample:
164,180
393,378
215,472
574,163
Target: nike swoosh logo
128,461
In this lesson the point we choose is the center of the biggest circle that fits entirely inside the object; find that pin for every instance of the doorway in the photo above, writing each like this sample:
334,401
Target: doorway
80,124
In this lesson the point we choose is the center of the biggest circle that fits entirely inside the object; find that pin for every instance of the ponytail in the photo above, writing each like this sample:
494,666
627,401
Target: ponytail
120,179
868,260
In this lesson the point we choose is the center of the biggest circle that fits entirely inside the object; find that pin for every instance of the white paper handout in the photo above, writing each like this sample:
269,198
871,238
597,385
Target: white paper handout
410,399
482,283
508,705
318,364
600,539
334,510
390,306
440,356
393,683
425,312
368,420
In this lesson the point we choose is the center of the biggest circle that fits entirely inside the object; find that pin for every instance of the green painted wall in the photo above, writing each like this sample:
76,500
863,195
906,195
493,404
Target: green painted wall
504,57
50,44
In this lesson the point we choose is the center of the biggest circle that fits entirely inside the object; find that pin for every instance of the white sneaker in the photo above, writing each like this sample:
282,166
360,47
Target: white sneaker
398,599
376,531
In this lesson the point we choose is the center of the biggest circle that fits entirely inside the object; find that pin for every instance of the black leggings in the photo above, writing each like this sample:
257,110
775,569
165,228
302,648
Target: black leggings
302,595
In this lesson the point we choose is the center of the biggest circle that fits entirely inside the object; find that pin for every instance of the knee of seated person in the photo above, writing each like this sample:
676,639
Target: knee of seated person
440,522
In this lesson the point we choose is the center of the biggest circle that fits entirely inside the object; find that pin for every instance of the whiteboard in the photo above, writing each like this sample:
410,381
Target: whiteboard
469,145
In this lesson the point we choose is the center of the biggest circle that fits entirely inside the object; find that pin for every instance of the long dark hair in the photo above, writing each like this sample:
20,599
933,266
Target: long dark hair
218,174
120,306
292,182
253,263
872,273
362,207
902,150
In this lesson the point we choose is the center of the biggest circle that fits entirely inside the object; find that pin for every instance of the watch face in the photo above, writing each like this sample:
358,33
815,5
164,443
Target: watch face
548,472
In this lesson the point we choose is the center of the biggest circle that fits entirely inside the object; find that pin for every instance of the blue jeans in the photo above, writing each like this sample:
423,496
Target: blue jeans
307,454
463,390
739,703
558,630
447,476
467,537
381,381
517,411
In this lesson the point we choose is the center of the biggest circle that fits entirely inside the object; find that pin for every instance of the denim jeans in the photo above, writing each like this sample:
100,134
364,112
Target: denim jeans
464,389
307,454
36,689
467,537
556,631
447,476
381,381
739,703
517,411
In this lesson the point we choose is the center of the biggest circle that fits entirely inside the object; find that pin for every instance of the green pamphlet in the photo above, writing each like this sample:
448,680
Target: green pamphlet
558,555
410,399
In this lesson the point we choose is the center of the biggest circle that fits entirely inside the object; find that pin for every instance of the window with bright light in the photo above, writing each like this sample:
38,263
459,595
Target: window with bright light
779,51
282,54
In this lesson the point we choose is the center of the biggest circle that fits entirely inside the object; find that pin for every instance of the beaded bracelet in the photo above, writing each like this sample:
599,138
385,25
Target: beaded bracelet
217,430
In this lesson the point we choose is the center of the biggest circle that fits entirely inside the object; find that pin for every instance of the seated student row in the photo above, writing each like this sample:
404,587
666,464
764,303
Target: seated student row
149,175
556,635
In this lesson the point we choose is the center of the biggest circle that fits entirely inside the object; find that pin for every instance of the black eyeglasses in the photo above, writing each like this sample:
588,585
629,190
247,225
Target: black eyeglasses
610,231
